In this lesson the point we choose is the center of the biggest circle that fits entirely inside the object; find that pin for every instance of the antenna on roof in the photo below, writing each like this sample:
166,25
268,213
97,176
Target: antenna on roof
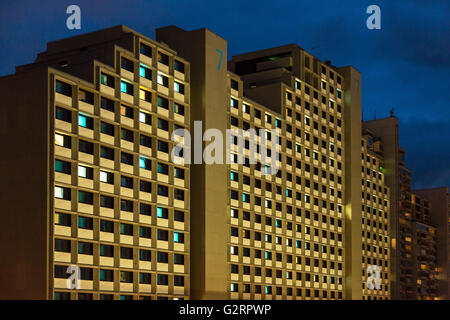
392,112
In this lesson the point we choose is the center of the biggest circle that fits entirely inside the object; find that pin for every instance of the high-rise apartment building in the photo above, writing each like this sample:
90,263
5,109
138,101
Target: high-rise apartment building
296,234
87,176
89,180
397,179
375,216
419,230
440,220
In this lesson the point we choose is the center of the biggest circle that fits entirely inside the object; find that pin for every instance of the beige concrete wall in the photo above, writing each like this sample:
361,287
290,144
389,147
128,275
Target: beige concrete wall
353,229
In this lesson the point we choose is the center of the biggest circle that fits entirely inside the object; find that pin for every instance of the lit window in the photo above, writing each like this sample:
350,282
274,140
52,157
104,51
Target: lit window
82,171
82,120
59,140
144,163
59,192
178,237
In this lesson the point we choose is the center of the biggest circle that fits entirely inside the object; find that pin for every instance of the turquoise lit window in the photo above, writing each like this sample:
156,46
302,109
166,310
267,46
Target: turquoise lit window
177,237
245,197
82,120
59,166
123,86
234,176
267,290
142,71
289,193
277,123
162,212
144,163
266,168
298,244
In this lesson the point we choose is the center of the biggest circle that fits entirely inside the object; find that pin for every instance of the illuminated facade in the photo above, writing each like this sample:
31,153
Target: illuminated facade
94,128
375,216
94,114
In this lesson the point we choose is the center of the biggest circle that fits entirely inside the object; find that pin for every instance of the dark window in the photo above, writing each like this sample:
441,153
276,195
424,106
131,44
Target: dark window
145,50
86,147
63,114
63,88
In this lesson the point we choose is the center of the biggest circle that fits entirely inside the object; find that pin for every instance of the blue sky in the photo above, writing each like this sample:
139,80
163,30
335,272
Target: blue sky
405,65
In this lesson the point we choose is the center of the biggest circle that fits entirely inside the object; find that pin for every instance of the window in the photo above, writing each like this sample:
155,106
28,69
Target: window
85,121
127,64
178,216
163,102
234,103
145,186
85,248
126,87
106,275
178,194
85,172
163,191
162,168
145,95
62,245
106,202
145,118
62,193
163,58
178,173
86,147
62,166
178,65
179,87
145,163
127,135
126,253
63,140
145,50
85,197
126,276
162,212
63,219
126,205
63,114
163,235
234,84
126,182
126,158
106,226
178,108
107,104
163,146
63,88
85,223
178,237
107,80
145,141
162,80
86,96
107,128
126,229
127,111
107,153
163,124
145,72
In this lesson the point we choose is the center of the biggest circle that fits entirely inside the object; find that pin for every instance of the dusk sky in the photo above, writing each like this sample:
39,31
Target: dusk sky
405,65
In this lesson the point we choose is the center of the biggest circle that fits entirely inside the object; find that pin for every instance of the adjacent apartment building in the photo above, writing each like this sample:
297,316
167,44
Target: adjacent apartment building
88,178
418,224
